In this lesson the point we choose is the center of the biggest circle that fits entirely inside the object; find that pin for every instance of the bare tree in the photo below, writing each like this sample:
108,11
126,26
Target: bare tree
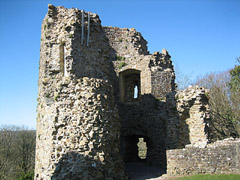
26,150
182,80
17,149
235,93
221,106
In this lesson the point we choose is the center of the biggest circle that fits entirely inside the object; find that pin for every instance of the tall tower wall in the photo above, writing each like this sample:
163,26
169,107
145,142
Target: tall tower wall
78,127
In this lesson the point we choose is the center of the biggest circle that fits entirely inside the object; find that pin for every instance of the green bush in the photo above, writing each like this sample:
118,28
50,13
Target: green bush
27,176
121,65
120,58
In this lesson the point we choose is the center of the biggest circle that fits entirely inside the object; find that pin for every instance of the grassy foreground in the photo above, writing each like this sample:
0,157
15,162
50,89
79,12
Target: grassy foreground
211,177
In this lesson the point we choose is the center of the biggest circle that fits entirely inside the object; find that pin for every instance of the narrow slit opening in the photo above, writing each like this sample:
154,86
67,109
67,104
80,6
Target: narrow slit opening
135,96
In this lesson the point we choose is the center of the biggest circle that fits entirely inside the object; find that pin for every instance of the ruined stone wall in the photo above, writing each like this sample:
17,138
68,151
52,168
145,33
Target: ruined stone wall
145,119
219,157
162,75
129,51
153,114
78,127
195,134
86,100
194,116
87,104
197,126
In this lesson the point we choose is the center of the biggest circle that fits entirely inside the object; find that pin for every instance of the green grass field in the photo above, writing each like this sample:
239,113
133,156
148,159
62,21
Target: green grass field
211,177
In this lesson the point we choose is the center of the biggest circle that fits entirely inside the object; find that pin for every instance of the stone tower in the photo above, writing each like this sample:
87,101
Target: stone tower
78,126
100,90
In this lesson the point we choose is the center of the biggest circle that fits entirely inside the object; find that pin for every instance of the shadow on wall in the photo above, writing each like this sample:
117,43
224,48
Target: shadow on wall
94,60
157,122
144,119
75,166
184,138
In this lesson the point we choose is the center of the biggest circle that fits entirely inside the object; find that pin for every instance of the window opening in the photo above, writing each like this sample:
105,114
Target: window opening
129,85
62,59
142,148
135,96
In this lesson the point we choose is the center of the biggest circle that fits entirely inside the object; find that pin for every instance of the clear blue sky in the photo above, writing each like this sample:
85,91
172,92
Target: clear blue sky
201,36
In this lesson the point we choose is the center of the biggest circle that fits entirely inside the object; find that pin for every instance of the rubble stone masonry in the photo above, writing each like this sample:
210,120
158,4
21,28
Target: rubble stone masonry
221,157
78,127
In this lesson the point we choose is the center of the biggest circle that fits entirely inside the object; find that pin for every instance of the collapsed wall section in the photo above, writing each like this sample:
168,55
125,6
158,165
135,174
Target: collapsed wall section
129,51
194,116
195,134
78,127
197,124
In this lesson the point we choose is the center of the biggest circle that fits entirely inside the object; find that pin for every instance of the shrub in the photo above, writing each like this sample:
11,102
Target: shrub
27,176
120,58
122,64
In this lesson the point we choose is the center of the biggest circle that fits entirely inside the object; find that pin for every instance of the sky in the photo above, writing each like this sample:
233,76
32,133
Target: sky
202,36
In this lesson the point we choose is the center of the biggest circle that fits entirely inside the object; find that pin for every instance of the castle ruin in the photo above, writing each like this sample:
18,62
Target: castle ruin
100,91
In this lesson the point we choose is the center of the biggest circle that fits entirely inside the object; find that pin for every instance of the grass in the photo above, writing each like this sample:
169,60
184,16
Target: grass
211,177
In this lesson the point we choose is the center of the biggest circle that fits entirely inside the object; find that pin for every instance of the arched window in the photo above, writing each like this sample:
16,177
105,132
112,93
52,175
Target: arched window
129,85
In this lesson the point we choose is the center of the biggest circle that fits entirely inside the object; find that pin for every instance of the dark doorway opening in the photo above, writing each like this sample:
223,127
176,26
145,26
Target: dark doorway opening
134,150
